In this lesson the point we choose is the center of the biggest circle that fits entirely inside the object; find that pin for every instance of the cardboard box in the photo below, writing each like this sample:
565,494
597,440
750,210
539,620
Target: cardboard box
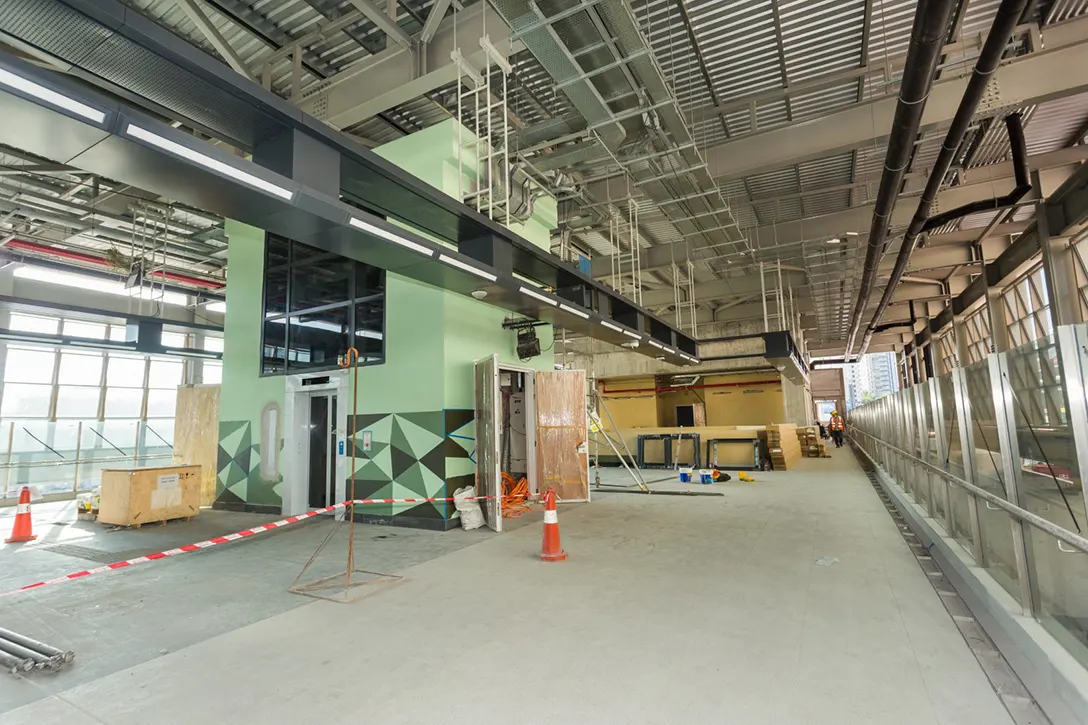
137,496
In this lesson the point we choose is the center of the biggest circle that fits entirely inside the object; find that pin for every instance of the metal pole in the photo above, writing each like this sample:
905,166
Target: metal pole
75,472
970,474
763,295
1005,418
781,300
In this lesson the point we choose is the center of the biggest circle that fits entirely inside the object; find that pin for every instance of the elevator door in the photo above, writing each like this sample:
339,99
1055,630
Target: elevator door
322,451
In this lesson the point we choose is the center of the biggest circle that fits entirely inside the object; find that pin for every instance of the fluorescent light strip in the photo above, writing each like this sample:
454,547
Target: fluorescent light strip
208,162
573,311
537,295
656,344
467,267
610,326
390,237
52,97
631,334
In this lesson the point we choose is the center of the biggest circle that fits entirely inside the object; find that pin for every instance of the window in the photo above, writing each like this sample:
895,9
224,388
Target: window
33,323
125,371
977,329
213,344
78,328
77,401
1027,308
161,403
26,401
317,306
124,402
173,339
164,374
29,365
78,368
213,372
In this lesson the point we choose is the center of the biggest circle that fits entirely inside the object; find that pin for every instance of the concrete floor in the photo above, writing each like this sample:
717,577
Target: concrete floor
790,600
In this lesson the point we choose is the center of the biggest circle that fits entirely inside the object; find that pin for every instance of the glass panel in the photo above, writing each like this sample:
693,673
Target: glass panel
369,330
996,532
318,339
78,328
118,333
124,402
78,368
164,374
958,498
275,291
33,323
125,372
317,285
161,403
1050,486
369,280
213,373
213,344
301,252
25,401
276,249
275,346
77,401
29,365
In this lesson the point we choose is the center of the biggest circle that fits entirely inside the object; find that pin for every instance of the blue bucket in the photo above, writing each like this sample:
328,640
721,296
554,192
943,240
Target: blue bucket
685,475
706,475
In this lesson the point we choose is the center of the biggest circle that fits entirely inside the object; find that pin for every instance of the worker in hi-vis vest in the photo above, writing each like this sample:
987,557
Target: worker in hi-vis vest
837,426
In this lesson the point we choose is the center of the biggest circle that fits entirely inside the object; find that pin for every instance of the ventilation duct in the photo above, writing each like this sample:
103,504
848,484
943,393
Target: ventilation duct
926,42
1008,15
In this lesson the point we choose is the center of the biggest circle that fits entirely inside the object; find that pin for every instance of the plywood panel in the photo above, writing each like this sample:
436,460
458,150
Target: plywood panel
562,450
196,434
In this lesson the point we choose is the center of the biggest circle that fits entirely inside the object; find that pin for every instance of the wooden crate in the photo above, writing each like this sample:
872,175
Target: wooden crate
137,496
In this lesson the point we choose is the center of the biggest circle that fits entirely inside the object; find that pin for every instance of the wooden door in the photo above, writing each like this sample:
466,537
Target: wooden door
562,449
487,440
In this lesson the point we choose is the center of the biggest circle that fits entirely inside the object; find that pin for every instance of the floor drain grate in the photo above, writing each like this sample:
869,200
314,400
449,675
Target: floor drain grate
96,555
1014,696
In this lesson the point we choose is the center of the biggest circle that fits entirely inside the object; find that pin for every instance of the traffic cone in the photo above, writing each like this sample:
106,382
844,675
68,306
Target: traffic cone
550,549
23,529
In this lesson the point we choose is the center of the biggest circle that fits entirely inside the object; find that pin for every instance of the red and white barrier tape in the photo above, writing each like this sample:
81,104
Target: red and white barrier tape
226,540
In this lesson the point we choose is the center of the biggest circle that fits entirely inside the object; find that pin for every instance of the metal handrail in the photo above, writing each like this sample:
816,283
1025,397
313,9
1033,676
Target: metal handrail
1078,542
73,461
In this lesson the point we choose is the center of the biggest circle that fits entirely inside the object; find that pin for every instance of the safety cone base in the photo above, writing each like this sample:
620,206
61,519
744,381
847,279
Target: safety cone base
20,539
561,556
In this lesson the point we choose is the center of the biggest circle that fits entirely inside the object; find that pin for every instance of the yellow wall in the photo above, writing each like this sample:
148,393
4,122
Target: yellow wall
733,405
630,410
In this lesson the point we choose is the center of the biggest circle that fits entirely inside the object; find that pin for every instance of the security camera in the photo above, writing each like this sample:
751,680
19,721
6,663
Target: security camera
633,344
479,294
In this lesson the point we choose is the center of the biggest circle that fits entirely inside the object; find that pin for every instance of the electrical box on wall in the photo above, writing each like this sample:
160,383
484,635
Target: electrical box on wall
518,459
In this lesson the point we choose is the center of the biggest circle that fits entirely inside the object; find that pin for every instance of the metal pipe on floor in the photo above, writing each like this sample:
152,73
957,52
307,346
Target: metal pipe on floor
40,661
45,649
14,664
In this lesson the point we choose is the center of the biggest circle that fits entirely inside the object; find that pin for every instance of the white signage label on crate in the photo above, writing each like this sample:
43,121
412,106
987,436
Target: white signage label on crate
168,480
166,498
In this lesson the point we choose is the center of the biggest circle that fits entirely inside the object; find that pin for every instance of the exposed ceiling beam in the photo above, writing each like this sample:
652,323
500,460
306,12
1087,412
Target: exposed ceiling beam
1031,79
434,18
388,79
385,23
783,239
213,36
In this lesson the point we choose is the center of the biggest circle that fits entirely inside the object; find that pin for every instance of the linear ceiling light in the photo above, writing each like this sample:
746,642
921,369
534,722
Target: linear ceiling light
51,97
610,326
573,311
390,236
467,267
656,344
632,334
537,295
208,162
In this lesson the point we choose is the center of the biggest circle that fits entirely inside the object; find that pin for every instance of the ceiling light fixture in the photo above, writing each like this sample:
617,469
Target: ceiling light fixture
467,267
390,237
208,162
51,97
632,334
537,295
610,326
573,311
655,343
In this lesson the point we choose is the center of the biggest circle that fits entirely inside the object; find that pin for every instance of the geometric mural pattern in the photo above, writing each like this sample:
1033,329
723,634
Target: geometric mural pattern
409,457
239,484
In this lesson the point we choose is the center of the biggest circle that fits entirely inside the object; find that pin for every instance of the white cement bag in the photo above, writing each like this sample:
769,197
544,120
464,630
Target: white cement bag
471,515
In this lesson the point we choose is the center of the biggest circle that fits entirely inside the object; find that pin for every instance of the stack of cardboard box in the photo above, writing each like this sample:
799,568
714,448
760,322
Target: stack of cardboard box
812,446
783,446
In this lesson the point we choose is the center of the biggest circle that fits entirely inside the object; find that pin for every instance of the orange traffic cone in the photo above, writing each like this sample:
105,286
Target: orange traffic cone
551,550
23,529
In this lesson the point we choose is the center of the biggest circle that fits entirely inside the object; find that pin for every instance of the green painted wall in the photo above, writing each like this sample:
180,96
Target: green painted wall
245,395
417,405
